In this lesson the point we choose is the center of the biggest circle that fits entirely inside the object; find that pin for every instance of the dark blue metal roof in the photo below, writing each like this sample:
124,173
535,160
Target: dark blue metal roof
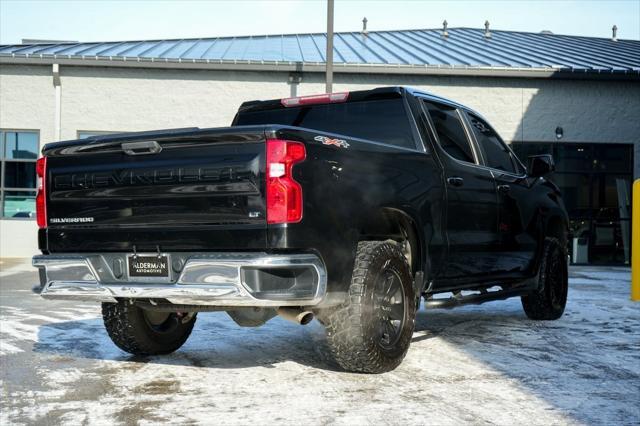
463,48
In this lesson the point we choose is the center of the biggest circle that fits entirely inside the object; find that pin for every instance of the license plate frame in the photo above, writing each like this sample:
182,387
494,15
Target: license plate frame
152,267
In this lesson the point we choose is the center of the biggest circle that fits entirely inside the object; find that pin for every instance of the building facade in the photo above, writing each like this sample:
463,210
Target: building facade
587,120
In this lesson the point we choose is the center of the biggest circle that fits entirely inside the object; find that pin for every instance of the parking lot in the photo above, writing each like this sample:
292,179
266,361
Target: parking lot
483,364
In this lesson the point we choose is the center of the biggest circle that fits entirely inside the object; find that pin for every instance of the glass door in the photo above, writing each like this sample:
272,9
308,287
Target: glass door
595,180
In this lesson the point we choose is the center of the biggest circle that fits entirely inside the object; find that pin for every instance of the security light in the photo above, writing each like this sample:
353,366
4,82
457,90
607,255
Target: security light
559,132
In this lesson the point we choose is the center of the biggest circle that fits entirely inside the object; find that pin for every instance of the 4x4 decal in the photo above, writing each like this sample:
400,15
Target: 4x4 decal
340,143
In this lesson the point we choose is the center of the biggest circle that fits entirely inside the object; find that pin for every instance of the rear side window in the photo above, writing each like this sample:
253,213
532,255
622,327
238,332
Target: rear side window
383,120
495,151
450,130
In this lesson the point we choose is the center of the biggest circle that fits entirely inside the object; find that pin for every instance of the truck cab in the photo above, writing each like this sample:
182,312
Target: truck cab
350,207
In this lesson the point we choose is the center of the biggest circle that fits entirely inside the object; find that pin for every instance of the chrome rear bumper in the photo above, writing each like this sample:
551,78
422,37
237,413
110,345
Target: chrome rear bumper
216,279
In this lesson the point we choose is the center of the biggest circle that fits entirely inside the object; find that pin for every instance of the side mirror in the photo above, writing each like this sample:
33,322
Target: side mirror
541,165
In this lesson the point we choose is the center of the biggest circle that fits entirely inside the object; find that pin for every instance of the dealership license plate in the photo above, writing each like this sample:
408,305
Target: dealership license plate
149,266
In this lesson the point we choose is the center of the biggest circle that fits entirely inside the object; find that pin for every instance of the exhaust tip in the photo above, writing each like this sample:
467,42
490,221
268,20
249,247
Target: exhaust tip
306,318
297,315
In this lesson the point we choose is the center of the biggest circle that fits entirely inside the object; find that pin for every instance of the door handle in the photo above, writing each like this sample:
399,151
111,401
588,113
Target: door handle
455,181
504,189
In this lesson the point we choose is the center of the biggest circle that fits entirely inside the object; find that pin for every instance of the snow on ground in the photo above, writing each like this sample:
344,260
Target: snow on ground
483,364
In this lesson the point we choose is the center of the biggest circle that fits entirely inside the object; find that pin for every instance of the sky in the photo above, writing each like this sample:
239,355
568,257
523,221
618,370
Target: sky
112,20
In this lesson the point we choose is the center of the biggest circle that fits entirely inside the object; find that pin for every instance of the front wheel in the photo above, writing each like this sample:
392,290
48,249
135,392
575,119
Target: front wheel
549,300
371,332
145,332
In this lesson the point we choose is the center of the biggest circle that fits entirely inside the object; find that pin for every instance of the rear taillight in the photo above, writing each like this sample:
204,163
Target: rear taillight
284,194
327,98
41,196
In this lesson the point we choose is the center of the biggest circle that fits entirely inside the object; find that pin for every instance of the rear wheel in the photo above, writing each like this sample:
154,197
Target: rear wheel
549,300
372,331
145,332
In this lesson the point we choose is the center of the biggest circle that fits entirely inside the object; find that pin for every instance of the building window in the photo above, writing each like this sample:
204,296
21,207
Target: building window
84,134
18,155
595,180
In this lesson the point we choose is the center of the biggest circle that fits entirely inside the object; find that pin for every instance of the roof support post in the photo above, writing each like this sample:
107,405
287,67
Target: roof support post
329,56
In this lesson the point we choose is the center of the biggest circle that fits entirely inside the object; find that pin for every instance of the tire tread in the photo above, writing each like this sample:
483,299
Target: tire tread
347,336
537,305
127,329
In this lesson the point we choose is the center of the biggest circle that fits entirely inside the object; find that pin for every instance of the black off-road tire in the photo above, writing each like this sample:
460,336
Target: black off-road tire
355,330
549,301
132,330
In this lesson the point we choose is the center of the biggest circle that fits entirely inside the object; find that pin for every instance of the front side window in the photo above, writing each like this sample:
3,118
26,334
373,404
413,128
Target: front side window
18,154
450,131
496,153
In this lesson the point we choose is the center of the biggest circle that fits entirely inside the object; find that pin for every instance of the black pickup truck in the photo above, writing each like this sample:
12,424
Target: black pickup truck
348,207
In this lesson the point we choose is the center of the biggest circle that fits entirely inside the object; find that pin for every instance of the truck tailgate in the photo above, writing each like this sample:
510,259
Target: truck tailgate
190,190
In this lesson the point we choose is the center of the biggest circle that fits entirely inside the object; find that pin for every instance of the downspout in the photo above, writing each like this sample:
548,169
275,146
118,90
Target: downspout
58,102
